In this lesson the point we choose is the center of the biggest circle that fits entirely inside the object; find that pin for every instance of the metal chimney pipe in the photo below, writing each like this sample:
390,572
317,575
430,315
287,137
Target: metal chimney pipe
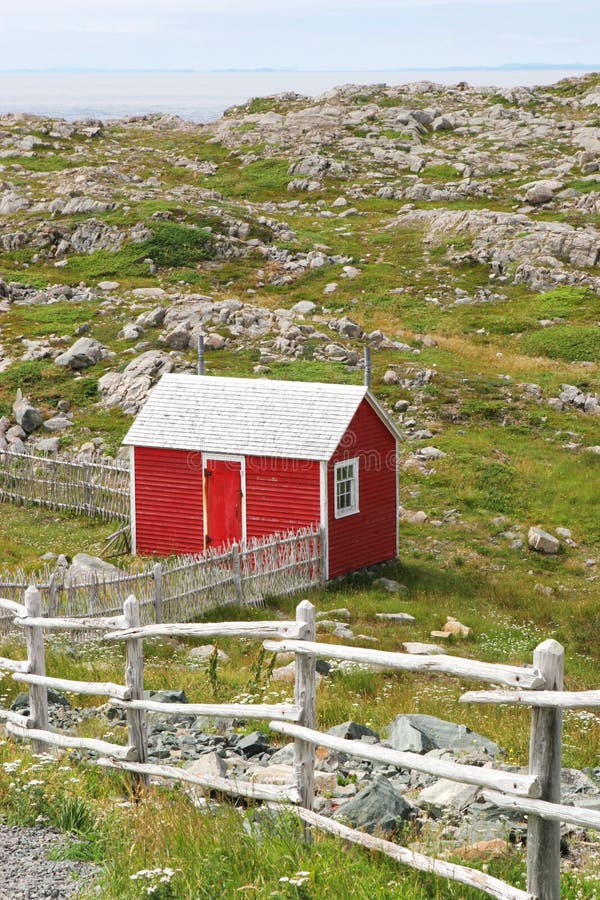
200,354
368,367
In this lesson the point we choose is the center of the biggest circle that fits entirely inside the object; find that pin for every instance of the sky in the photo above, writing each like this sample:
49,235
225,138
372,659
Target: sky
341,35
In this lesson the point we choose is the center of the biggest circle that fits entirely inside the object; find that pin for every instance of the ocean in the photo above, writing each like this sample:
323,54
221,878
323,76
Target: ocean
203,96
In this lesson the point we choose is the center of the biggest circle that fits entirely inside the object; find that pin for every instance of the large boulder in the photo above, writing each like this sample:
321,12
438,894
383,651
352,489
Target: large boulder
379,808
420,734
352,731
129,389
27,416
84,353
542,541
85,569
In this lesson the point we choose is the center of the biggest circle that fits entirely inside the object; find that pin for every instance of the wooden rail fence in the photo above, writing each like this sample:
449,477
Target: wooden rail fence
538,687
185,587
97,489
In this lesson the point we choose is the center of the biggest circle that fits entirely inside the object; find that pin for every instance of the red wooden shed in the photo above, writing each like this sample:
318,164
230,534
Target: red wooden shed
217,460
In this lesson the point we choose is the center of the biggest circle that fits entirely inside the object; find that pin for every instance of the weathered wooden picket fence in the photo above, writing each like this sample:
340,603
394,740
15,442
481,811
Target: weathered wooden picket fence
537,686
182,588
97,489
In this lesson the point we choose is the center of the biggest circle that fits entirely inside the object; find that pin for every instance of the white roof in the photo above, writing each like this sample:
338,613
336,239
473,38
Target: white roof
244,416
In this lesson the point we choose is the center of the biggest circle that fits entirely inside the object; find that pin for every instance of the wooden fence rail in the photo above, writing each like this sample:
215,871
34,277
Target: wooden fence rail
536,794
91,488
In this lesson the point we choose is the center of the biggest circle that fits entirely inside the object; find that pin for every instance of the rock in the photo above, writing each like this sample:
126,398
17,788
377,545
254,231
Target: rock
420,649
542,192
352,731
396,617
285,673
48,445
347,328
131,332
443,123
209,765
440,634
109,285
493,849
304,308
542,541
27,416
421,734
129,389
253,744
204,652
84,353
391,377
379,808
388,584
85,569
179,337
416,517
341,613
339,629
152,318
166,696
21,701
280,774
15,433
564,533
453,626
214,341
148,293
57,423
444,795
430,453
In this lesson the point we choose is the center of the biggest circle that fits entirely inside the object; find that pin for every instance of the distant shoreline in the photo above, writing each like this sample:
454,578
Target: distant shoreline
506,67
202,97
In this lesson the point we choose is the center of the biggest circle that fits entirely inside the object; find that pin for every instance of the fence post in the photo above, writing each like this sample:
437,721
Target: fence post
305,699
324,547
543,836
134,680
237,573
158,594
38,693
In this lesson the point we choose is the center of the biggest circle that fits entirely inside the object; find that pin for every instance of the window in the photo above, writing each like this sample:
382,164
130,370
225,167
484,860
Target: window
346,488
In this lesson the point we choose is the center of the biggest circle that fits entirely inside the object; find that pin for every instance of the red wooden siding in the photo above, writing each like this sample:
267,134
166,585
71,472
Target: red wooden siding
168,501
369,536
281,494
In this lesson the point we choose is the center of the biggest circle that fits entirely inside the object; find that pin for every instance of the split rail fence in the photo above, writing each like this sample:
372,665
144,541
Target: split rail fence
97,489
537,686
182,588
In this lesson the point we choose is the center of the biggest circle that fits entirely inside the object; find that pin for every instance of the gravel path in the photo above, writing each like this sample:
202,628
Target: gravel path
26,873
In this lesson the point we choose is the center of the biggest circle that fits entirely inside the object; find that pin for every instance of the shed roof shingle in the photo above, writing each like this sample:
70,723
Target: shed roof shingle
244,416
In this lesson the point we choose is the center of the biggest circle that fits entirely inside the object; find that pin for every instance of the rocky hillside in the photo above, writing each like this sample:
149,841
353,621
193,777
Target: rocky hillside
455,230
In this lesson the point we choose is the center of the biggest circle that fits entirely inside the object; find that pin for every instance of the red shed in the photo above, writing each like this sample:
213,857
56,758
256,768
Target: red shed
217,460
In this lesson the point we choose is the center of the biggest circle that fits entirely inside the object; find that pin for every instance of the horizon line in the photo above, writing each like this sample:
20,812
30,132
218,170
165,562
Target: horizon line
63,70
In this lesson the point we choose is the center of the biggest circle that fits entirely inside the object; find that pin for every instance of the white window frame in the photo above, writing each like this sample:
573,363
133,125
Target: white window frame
353,509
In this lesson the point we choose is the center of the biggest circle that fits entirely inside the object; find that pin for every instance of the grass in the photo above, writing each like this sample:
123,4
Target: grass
564,342
46,163
27,533
166,843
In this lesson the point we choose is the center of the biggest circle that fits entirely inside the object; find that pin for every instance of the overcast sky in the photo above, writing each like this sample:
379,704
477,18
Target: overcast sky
305,34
